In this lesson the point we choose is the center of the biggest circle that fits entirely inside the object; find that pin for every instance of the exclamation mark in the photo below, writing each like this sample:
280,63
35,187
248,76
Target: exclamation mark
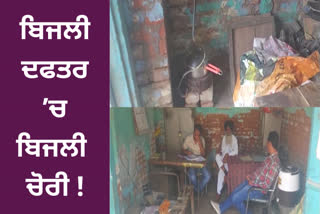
80,182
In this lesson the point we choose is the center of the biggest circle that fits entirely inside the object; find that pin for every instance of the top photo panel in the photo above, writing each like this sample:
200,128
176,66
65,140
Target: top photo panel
209,53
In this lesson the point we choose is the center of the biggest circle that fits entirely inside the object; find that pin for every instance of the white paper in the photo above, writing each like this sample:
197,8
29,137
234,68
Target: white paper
196,158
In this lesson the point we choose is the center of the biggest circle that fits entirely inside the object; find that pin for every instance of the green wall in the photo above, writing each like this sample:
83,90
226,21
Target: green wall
228,111
123,135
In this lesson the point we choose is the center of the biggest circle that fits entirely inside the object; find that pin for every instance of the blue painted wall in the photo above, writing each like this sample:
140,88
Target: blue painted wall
312,197
123,90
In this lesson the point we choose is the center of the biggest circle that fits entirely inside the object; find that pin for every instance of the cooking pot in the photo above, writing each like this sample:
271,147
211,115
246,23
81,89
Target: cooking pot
196,56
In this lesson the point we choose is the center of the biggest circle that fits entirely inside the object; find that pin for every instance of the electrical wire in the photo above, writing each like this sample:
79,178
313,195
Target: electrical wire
193,18
184,75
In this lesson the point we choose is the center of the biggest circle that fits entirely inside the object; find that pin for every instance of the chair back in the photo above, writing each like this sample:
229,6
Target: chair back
274,186
270,194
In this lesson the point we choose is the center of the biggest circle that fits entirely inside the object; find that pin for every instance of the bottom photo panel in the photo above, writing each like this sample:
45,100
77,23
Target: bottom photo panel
214,160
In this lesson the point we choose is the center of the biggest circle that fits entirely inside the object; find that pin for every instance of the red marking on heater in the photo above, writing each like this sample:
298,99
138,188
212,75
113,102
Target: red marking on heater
214,69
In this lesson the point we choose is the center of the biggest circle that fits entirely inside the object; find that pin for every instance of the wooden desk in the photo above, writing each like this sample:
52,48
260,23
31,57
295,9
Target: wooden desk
174,160
302,96
184,196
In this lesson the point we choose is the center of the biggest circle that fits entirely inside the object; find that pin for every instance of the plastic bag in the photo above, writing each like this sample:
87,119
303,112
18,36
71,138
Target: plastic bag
289,72
271,49
245,94
257,65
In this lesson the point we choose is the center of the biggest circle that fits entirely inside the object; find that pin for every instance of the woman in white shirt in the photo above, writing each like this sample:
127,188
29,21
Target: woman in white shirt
229,147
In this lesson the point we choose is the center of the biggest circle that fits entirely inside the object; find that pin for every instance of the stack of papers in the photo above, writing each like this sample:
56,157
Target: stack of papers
196,158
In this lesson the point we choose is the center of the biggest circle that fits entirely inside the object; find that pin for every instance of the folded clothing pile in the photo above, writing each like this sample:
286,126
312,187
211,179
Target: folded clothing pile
289,72
272,66
256,65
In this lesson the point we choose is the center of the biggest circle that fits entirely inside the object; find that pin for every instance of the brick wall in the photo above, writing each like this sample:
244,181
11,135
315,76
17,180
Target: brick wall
247,129
147,32
212,20
295,134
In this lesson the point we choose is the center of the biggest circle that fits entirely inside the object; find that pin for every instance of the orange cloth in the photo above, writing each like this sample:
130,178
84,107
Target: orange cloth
289,72
164,207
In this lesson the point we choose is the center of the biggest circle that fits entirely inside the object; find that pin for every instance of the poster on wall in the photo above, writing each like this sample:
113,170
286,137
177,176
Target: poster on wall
141,121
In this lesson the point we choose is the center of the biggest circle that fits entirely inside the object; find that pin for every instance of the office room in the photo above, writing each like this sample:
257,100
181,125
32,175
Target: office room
155,167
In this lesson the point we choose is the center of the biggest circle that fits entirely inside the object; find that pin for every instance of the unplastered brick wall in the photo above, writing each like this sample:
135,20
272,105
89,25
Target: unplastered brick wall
147,32
213,17
247,130
295,134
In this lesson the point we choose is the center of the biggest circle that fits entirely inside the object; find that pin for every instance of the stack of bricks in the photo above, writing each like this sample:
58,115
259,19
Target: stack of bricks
149,48
247,130
295,133
204,99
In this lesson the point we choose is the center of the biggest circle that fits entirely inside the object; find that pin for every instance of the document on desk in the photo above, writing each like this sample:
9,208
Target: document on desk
196,158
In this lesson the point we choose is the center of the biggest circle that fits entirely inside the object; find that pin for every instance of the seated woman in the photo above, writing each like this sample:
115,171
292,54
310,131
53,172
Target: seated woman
262,177
229,147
